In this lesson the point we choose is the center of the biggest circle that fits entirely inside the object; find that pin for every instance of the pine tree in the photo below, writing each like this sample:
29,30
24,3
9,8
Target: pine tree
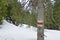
56,13
3,9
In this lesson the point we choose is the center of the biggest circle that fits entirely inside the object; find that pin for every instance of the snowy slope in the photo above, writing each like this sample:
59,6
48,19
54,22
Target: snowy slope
52,35
11,32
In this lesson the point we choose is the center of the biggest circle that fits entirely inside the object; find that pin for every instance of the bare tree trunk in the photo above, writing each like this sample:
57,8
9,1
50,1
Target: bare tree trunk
40,30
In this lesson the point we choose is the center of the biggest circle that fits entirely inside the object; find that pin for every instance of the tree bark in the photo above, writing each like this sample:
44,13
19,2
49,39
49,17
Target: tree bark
40,10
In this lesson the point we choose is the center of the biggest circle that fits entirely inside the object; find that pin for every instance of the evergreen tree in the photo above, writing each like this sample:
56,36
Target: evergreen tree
3,9
56,13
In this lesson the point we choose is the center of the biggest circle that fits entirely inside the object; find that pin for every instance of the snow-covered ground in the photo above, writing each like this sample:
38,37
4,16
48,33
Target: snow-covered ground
9,31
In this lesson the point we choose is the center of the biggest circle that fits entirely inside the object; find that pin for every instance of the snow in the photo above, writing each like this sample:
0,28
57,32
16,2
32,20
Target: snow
9,31
52,35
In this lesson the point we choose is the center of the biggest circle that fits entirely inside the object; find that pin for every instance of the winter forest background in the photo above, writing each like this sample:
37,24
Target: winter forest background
25,12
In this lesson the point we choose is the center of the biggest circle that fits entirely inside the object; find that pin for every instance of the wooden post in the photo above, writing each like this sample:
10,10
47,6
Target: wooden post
40,21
